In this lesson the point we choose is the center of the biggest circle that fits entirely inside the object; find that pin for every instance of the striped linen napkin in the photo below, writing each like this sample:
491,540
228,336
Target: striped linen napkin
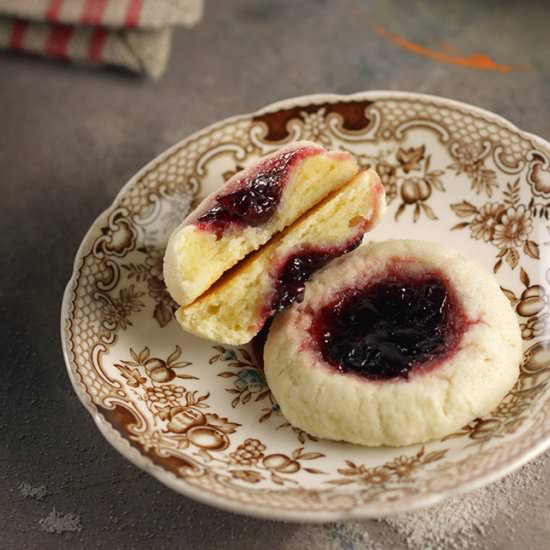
135,34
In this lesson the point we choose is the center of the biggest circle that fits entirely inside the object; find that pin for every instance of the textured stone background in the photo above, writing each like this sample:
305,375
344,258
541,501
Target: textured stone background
71,136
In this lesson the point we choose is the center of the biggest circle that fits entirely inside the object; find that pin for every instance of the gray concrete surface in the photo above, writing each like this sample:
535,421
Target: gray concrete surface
71,136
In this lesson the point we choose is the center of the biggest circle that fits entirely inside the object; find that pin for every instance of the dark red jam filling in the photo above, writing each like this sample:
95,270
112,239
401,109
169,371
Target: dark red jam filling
255,202
298,268
258,343
385,330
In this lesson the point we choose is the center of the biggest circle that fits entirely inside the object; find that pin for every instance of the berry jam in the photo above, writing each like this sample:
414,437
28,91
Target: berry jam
257,196
298,268
252,205
258,343
392,326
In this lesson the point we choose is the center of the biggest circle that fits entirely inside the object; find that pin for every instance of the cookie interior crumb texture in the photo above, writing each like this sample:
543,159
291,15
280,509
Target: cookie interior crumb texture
198,253
234,310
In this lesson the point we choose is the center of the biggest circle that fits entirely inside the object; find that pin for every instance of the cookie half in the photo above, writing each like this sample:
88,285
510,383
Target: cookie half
235,309
247,211
396,343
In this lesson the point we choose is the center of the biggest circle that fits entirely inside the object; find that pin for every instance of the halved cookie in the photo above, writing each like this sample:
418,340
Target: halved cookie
235,309
247,211
396,343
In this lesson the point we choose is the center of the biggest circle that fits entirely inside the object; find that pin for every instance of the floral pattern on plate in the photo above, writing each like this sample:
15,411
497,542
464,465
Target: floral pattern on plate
200,417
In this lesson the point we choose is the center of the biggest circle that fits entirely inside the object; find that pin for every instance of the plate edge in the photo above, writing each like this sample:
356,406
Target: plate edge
116,440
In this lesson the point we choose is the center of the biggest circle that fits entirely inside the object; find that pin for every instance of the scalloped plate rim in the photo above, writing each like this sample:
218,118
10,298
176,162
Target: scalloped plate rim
168,479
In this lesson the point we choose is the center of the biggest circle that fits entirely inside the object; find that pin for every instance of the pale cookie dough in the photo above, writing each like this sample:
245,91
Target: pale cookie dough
436,399
247,211
235,309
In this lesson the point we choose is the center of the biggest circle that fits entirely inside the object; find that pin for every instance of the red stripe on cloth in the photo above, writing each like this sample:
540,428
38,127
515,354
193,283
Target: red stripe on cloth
96,44
132,13
58,40
54,7
18,32
92,12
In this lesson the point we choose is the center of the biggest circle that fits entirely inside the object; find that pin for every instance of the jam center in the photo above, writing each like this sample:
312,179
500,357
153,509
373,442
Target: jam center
255,202
298,268
252,205
392,326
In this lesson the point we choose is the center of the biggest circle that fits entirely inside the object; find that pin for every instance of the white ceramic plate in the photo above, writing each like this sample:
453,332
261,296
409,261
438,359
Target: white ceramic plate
200,418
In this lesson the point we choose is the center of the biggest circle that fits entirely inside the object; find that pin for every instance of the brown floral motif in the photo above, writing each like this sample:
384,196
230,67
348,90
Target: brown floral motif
165,306
532,304
409,159
160,398
300,434
249,384
512,406
206,431
486,219
535,326
171,428
179,410
388,175
248,380
409,176
403,466
376,476
539,175
151,271
514,226
399,469
508,416
315,127
506,225
251,453
250,476
150,440
417,189
352,113
535,363
274,410
516,406
158,370
248,453
119,236
154,262
132,376
470,160
117,311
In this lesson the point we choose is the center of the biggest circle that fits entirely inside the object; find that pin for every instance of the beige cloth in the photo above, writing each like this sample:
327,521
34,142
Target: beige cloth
135,34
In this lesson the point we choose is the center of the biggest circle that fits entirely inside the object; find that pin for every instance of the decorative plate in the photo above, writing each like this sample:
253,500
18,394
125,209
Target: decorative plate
199,416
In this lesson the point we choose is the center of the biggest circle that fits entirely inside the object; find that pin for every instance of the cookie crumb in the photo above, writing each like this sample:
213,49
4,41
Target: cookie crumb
29,491
59,523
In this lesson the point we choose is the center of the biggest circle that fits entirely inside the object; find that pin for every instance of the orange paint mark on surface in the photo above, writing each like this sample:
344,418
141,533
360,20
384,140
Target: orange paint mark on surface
474,61
446,47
